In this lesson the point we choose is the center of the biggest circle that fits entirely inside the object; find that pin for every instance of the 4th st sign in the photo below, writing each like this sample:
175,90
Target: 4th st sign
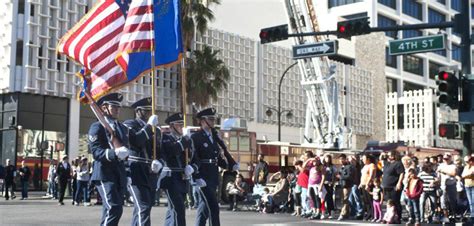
315,49
416,45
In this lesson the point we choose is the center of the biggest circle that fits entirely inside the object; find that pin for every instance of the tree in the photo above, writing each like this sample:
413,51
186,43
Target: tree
207,75
195,16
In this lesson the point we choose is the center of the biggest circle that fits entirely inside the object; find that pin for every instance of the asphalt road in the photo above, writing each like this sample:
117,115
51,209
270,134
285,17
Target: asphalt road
38,211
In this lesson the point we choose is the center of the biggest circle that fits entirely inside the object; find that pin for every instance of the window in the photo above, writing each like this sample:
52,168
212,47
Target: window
334,3
472,11
387,22
442,1
456,5
456,53
441,52
19,53
435,16
413,64
390,61
354,16
21,6
390,3
433,69
412,8
391,85
408,86
411,33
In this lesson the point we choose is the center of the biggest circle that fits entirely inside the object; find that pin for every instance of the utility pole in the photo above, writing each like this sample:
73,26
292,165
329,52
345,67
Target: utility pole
466,117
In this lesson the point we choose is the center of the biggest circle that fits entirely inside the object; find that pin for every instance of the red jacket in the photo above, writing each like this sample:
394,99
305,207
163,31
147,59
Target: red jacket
417,191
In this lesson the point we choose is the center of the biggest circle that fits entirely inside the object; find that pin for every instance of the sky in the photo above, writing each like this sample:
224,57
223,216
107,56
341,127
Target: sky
247,17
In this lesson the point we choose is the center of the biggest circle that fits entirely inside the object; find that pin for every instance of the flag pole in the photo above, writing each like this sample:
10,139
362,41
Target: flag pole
153,84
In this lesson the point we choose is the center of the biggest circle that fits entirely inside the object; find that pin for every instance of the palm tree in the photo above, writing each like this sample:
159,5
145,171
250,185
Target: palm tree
195,16
207,75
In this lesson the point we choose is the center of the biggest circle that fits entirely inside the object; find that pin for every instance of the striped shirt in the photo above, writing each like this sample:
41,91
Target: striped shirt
427,180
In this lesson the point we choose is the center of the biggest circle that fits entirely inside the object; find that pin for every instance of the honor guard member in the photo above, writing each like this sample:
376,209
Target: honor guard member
179,165
207,150
108,173
141,162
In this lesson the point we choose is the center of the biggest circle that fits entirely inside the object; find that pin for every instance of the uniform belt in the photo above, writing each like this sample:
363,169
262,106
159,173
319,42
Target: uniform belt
209,161
173,169
139,159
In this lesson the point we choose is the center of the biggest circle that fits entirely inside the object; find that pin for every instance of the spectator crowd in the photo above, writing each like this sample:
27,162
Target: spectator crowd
384,188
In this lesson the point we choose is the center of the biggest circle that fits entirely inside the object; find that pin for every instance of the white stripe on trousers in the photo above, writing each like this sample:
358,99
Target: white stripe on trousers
207,205
138,205
106,202
170,202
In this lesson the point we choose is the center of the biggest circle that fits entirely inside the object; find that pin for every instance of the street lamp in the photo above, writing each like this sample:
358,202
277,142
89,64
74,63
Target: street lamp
279,111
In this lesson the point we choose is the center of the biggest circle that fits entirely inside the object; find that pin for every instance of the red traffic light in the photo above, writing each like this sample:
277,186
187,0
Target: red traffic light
341,28
442,131
449,130
264,34
443,75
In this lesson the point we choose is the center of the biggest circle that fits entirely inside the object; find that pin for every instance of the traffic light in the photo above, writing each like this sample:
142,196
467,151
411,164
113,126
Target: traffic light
448,89
449,130
348,28
273,34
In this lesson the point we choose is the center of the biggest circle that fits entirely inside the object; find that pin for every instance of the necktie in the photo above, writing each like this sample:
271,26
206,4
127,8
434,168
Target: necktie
210,137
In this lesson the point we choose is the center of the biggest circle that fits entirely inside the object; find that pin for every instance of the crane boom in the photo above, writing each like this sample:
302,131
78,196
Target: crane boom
324,123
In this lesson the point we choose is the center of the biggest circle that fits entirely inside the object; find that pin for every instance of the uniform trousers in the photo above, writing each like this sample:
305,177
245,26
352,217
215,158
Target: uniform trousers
112,202
208,207
175,216
142,203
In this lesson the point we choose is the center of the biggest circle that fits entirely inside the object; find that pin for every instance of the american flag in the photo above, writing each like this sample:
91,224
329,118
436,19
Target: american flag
94,43
150,24
137,33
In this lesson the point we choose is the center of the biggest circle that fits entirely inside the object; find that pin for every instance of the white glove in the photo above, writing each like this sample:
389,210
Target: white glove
156,166
188,170
129,181
153,120
122,152
200,183
236,167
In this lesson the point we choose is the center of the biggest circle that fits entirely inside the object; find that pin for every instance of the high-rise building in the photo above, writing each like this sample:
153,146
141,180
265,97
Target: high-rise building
40,116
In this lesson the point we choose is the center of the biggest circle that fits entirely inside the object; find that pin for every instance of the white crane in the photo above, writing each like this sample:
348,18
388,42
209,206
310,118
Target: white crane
324,123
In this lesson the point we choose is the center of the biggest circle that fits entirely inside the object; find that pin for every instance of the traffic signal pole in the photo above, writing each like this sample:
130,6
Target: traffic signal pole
466,118
460,25
447,24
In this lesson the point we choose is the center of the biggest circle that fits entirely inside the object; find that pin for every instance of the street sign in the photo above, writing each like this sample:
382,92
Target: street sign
315,49
416,45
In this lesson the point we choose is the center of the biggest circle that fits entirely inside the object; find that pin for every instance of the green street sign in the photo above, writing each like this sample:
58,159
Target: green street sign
416,45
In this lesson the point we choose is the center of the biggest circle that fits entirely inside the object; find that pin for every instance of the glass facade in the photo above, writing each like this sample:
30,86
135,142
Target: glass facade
38,133
411,33
390,3
435,16
408,86
384,21
413,64
456,5
433,69
334,3
412,8
456,53
390,61
391,85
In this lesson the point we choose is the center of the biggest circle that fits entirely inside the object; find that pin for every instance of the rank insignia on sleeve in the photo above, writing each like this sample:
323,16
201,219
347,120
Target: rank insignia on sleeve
92,138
